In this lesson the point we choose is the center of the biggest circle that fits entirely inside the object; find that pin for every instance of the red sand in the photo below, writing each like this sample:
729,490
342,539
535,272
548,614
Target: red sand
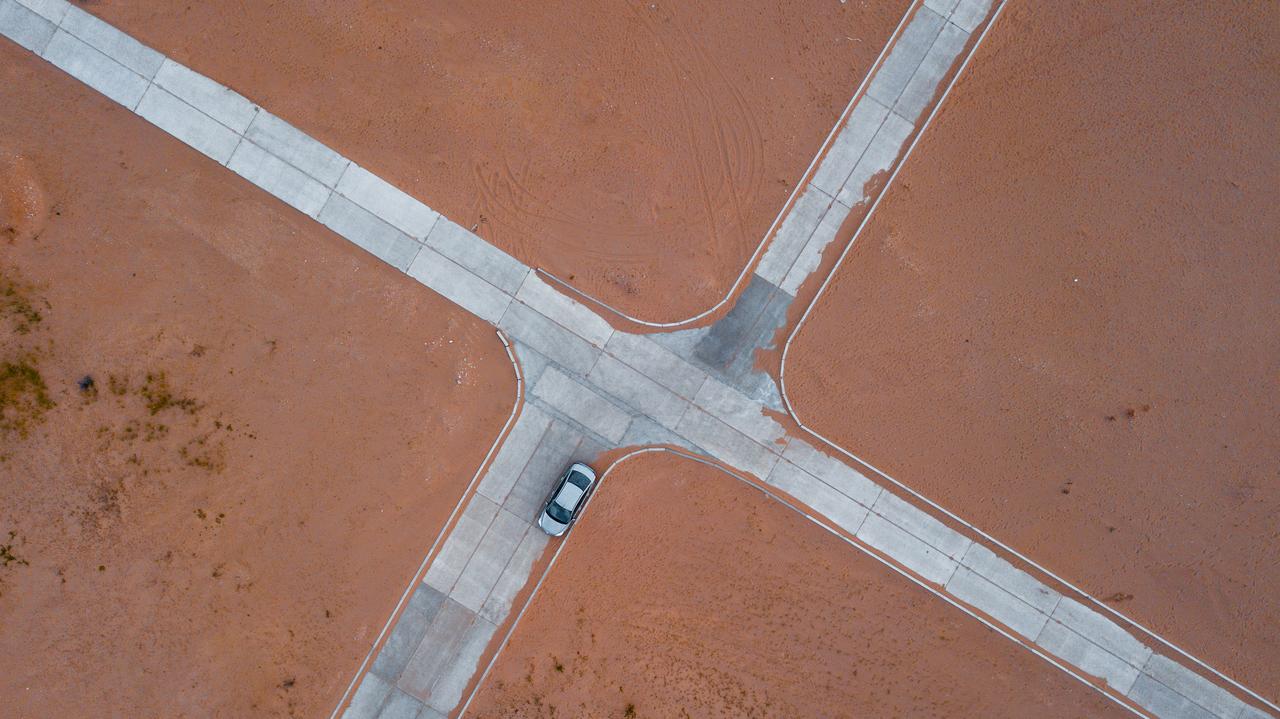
232,555
1061,322
638,150
684,592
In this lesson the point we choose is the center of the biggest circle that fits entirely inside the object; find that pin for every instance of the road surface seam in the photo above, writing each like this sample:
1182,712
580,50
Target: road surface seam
570,339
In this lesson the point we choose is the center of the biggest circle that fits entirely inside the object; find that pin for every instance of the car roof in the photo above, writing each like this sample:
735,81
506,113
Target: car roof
569,495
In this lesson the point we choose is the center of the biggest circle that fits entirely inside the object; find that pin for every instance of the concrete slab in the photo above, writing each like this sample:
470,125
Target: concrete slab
865,118
386,201
1193,686
1102,631
905,56
740,412
188,124
486,261
453,680
726,443
798,224
212,98
297,148
926,83
407,633
459,285
289,184
1087,656
921,524
810,256
1252,712
1010,578
514,576
969,14
591,449
368,232
73,56
514,454
555,342
583,404
682,343
558,449
638,391
399,705
438,649
111,42
25,27
645,432
51,10
368,698
881,154
490,558
839,509
942,7
462,541
837,474
1002,606
1164,702
563,310
907,549
657,363
532,362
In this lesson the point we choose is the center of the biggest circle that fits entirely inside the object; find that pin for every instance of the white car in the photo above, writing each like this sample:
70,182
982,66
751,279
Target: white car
567,499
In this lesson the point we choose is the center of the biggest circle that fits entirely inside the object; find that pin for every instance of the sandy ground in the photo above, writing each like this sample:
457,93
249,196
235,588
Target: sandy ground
684,592
638,150
1061,322
277,429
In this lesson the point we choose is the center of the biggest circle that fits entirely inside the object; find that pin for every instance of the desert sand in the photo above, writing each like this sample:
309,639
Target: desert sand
1061,321
227,436
684,592
639,150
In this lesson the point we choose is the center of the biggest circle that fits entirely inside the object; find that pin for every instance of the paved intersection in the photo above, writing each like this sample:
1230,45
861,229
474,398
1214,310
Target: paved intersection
590,387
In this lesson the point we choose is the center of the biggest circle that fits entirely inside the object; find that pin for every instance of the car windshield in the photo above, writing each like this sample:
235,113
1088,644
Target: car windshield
558,513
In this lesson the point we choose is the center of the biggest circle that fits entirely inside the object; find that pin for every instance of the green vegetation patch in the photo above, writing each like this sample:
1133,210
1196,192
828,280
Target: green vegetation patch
7,556
24,397
159,395
17,304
